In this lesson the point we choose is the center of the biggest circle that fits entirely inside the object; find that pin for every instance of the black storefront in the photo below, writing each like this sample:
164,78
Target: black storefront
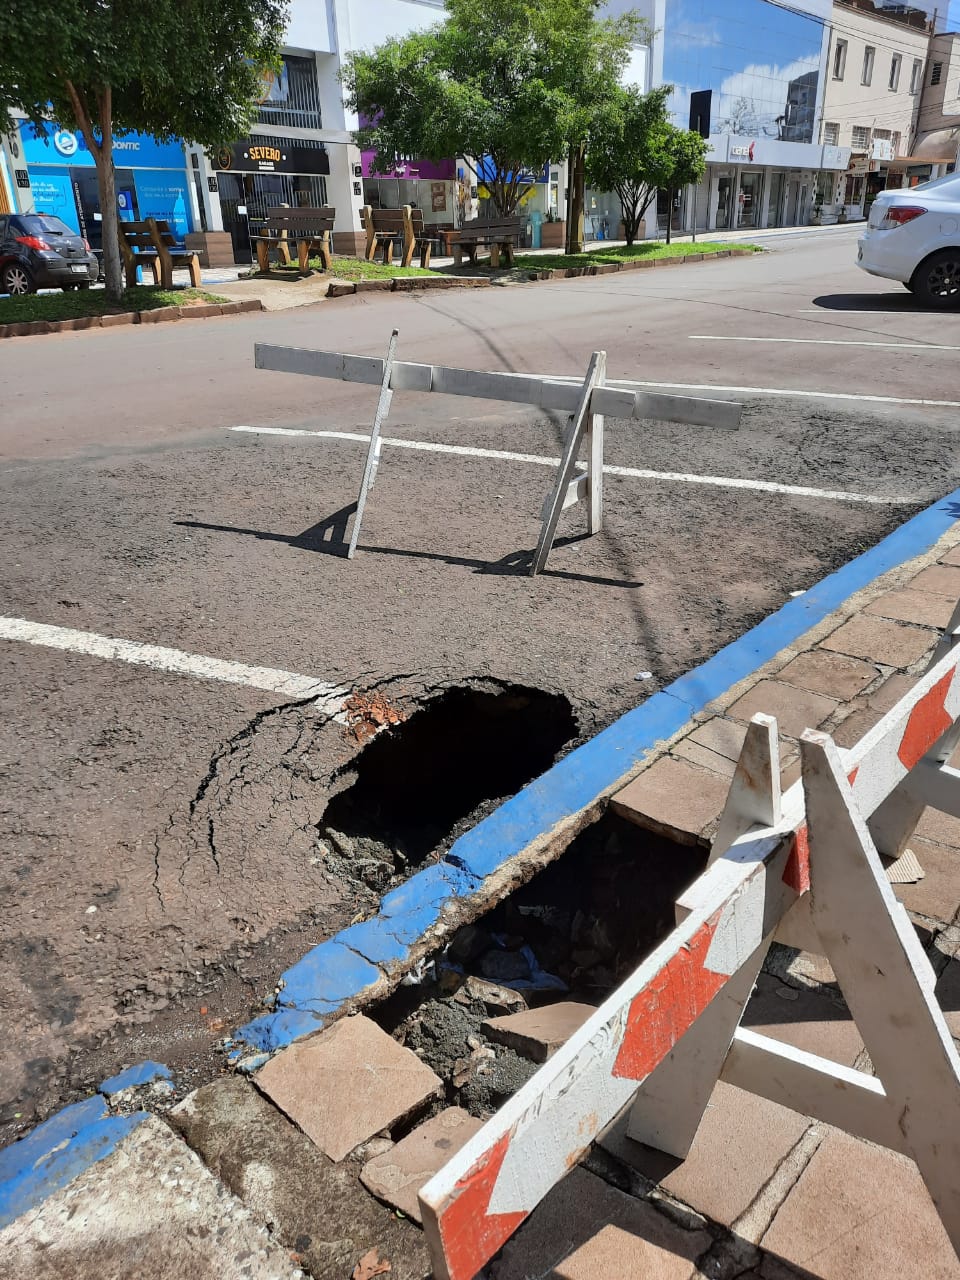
259,173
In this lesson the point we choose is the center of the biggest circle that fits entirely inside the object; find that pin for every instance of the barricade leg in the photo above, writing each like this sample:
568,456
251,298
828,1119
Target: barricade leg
884,975
373,449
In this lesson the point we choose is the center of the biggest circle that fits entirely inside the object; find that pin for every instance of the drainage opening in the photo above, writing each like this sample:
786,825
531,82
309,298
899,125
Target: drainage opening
571,934
421,782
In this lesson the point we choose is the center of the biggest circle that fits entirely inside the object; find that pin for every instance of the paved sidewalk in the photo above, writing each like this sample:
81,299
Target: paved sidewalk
268,1177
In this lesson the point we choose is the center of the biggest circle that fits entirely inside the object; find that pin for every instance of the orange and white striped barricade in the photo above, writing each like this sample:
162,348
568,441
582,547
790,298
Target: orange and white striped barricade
665,1037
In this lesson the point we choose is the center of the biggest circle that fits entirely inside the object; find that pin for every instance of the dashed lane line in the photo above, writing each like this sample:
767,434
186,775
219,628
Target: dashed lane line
329,697
638,473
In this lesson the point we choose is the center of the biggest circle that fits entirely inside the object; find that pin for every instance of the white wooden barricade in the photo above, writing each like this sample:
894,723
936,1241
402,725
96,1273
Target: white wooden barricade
588,403
661,1041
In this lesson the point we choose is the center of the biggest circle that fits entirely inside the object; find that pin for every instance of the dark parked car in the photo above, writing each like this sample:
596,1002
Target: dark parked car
38,251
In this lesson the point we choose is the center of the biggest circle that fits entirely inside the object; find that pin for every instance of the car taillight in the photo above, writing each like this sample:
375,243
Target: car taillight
900,214
86,245
32,242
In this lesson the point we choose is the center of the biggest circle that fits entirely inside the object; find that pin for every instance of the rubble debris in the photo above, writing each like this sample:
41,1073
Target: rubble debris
368,713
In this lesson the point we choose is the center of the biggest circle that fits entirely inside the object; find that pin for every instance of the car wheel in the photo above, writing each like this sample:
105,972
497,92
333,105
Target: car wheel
84,284
67,287
17,280
908,284
936,281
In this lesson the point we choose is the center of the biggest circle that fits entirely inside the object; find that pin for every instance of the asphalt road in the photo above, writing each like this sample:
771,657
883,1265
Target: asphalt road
159,859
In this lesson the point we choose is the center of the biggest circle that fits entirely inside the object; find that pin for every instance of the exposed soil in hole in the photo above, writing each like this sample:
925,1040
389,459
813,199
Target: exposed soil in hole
574,932
425,779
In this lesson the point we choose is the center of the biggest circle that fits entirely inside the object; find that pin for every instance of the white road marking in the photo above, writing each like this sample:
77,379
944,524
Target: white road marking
329,697
822,342
638,473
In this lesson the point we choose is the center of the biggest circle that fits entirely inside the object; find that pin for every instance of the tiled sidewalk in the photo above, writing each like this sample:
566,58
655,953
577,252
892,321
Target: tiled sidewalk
263,1179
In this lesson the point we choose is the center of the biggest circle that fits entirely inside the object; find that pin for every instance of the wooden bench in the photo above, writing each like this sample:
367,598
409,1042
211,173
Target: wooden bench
383,226
501,234
310,228
152,244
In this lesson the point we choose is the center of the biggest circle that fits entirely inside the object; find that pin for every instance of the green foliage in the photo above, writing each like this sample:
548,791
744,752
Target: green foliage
635,151
95,302
516,80
170,68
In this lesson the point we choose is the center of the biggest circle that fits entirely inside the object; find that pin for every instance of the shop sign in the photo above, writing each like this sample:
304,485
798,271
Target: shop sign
255,155
51,144
743,152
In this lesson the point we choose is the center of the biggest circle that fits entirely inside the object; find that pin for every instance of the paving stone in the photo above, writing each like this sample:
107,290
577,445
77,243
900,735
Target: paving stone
673,798
813,1021
795,709
398,1174
866,710
939,579
741,1141
952,556
948,996
317,1208
587,1230
896,644
937,895
348,1083
721,735
939,827
831,673
538,1033
914,606
859,1212
150,1210
687,749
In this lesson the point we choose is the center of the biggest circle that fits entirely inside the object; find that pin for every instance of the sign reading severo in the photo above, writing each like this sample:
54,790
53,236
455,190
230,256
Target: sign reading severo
256,155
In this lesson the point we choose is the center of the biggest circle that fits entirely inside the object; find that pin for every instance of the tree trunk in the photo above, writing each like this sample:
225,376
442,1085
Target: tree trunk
669,212
106,183
578,153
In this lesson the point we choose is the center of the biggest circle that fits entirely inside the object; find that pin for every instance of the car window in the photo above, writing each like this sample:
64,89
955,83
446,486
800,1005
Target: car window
44,224
949,185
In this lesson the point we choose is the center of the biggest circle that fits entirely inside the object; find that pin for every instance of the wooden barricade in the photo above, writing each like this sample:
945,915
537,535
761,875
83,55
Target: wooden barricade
661,1041
588,403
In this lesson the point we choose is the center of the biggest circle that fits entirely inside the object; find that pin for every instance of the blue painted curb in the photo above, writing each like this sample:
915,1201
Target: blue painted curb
142,1073
338,970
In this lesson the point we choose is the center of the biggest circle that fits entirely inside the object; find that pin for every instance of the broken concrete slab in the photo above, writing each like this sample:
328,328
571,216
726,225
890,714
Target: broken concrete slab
587,1230
398,1174
538,1033
316,1207
150,1210
347,1084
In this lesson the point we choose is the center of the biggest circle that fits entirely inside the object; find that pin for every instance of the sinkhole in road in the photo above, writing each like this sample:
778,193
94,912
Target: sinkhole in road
573,932
421,782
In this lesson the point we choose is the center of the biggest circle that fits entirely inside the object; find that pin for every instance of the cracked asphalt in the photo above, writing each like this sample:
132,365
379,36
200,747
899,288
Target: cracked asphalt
158,861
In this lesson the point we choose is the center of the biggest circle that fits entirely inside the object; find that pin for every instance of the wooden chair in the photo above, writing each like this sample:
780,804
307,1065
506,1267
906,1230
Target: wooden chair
384,226
501,234
310,228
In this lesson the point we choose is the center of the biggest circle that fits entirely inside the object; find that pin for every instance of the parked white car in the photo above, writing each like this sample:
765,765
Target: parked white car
913,236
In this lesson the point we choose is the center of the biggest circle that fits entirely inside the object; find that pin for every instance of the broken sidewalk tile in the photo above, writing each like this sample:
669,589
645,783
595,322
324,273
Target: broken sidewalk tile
57,1151
347,1084
273,1031
327,975
142,1073
538,1033
398,1174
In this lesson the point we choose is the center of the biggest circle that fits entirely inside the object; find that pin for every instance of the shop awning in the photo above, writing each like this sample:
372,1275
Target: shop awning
937,146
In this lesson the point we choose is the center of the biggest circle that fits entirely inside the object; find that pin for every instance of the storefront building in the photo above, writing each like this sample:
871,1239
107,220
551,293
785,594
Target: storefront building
54,173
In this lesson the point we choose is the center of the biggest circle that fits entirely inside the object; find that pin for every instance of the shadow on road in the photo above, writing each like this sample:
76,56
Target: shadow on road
329,538
900,301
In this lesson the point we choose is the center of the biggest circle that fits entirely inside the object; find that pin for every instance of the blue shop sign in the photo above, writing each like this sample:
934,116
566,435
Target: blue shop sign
64,146
487,170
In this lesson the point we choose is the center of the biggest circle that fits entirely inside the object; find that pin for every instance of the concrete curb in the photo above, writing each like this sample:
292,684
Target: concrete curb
405,284
363,962
155,315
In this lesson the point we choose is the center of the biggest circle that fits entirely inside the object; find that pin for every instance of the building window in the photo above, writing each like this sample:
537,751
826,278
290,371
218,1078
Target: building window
936,71
915,75
291,98
895,142
831,133
894,81
839,59
869,57
859,137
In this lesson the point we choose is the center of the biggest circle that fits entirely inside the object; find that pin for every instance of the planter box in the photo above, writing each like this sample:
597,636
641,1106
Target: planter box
553,235
215,248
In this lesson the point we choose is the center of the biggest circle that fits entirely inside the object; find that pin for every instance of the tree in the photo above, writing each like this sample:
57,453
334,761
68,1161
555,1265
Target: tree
509,85
628,151
169,68
474,86
588,56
